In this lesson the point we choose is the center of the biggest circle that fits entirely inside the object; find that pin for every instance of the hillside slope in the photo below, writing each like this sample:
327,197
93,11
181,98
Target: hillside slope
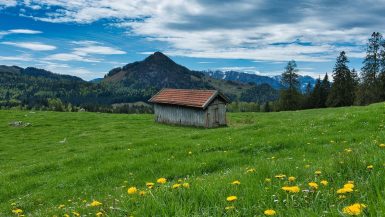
71,159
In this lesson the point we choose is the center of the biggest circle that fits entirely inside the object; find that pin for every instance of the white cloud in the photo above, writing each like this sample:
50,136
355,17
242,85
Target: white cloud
23,31
36,46
233,29
16,58
8,3
93,49
70,57
18,31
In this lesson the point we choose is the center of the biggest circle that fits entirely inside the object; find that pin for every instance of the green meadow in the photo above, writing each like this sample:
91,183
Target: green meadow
62,162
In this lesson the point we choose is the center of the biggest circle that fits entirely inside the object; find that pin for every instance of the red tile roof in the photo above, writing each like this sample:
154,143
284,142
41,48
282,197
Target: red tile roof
185,97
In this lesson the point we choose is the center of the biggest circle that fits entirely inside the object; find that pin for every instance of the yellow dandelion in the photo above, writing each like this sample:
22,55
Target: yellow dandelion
186,185
370,167
231,198
355,209
175,186
291,189
291,179
381,145
318,172
66,215
324,182
17,211
344,190
267,180
76,213
280,176
236,182
349,185
161,180
269,212
313,185
98,214
132,190
142,193
150,185
251,170
61,206
95,203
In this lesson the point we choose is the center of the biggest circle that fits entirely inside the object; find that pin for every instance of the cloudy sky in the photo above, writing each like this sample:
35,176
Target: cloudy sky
87,38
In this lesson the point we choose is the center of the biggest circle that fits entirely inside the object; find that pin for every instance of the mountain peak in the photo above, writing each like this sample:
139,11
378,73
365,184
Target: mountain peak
158,57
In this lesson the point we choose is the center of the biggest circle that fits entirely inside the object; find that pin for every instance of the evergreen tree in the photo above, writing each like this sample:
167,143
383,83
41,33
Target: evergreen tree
316,95
324,91
290,97
382,72
370,87
343,88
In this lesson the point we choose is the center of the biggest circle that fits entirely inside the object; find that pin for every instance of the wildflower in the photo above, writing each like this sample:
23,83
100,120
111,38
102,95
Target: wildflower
76,213
132,190
98,214
142,193
267,180
291,179
236,182
347,150
349,185
61,206
291,189
318,172
227,208
161,180
150,185
251,170
17,211
66,215
13,204
313,185
324,182
354,209
382,145
180,180
344,190
95,203
280,176
370,167
175,186
269,212
342,197
231,198
186,185
190,152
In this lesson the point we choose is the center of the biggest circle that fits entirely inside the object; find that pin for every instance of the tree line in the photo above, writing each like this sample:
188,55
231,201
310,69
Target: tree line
348,87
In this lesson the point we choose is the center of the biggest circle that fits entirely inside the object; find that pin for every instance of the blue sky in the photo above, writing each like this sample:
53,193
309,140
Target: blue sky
87,38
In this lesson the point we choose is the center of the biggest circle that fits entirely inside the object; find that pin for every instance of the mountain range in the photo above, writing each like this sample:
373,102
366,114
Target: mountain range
33,88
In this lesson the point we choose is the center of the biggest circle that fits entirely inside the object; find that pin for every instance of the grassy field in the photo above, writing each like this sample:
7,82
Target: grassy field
62,162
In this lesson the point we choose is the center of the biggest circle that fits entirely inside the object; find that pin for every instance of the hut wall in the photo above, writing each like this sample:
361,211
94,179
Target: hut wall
216,113
181,115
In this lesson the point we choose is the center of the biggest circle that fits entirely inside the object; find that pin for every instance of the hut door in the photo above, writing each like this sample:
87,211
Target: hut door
216,116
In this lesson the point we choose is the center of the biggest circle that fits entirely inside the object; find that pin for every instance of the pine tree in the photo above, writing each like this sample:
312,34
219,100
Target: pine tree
343,88
382,72
324,91
315,95
370,87
290,97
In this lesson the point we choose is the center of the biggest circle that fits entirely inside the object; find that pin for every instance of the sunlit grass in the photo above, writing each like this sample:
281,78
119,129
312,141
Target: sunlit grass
64,162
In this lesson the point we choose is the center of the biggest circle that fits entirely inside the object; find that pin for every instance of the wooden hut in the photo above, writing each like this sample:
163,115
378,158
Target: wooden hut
201,108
